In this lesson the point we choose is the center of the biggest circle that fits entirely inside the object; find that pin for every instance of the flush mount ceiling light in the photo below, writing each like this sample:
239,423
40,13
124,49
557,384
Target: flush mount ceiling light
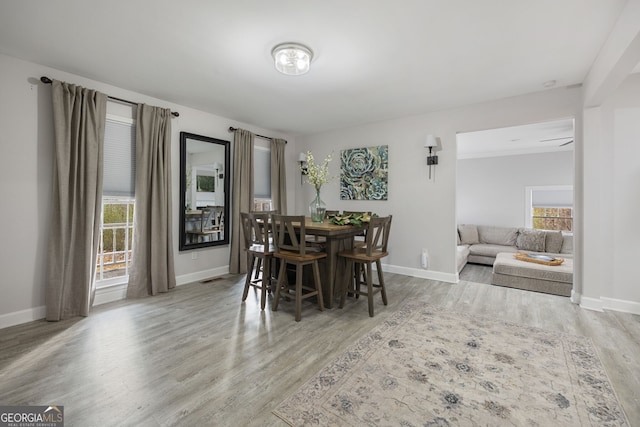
292,59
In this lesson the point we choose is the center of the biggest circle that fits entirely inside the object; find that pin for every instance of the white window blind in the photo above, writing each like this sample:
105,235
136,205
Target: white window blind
552,198
261,172
119,158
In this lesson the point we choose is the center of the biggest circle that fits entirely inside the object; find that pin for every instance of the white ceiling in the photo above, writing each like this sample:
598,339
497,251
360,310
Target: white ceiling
374,59
547,137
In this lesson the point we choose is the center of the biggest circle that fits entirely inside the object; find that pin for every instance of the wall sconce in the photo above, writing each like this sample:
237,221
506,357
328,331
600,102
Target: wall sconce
302,159
431,158
219,171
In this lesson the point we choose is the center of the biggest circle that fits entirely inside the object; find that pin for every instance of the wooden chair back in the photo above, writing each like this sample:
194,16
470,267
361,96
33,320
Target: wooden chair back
255,228
285,235
377,235
206,219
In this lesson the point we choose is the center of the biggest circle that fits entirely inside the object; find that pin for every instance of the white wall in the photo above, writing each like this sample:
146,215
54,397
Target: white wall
491,190
425,210
612,201
25,182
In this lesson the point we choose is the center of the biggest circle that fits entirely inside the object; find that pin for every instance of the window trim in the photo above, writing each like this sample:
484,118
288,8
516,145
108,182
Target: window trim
119,280
528,200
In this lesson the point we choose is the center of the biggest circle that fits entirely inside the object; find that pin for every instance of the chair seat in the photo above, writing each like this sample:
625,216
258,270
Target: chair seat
360,254
294,256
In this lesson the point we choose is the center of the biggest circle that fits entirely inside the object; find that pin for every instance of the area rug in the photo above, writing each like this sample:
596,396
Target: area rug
428,366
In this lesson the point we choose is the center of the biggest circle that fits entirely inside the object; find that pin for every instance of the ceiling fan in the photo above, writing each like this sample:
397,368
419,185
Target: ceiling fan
559,139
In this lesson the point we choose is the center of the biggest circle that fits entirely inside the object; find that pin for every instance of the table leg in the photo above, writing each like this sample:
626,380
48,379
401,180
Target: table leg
334,268
329,272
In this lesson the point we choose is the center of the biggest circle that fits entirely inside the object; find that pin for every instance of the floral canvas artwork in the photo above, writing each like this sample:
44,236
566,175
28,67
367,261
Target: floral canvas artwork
364,173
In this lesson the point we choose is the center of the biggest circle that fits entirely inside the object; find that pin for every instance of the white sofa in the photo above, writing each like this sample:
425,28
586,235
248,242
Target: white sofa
481,244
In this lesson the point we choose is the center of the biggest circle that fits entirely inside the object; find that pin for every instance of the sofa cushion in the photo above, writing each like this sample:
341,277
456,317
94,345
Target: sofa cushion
553,241
506,264
567,244
468,234
531,240
483,249
497,235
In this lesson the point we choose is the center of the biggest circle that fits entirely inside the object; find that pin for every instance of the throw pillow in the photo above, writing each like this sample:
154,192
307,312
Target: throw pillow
567,244
531,240
468,234
553,242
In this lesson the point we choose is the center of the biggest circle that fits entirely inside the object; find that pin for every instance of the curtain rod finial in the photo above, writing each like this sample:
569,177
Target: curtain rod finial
45,79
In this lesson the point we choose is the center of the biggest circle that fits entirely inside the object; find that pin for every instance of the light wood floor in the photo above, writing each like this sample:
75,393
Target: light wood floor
477,273
198,356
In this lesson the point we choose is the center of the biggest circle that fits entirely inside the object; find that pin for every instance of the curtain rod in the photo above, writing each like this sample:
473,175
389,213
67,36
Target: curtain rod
47,80
232,129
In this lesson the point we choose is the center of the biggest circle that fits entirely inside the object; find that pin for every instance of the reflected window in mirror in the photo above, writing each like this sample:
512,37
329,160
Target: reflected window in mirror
204,191
262,176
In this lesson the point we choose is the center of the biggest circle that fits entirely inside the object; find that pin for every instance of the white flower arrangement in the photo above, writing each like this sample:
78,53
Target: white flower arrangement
317,175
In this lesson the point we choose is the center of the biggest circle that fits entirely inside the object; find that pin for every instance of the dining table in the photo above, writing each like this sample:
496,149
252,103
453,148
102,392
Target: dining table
338,238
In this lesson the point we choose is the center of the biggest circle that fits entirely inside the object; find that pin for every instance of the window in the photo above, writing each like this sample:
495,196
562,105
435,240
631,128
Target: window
116,240
550,207
552,218
262,177
115,249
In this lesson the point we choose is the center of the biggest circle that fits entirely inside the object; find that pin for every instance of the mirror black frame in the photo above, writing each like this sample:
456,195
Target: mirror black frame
184,136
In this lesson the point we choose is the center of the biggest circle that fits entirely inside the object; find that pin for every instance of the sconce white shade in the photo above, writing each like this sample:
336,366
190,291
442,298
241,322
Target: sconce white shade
218,166
292,58
302,158
430,141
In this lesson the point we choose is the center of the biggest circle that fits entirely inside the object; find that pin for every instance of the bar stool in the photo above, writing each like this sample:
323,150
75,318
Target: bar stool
255,227
374,249
290,248
258,268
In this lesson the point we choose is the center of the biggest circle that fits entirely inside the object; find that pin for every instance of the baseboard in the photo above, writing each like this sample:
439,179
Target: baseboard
110,294
423,274
22,316
119,292
591,303
104,296
202,275
620,305
575,296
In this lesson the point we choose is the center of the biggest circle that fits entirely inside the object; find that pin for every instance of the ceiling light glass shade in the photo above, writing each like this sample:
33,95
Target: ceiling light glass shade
292,59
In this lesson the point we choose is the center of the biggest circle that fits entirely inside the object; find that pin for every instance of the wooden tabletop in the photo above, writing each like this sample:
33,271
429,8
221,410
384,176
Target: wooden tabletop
327,228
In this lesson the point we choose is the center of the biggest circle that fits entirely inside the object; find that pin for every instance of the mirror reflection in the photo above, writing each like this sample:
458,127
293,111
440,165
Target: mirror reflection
204,191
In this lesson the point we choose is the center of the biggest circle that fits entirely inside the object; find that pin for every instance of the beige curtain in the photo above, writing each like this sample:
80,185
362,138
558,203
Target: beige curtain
278,176
152,269
242,195
79,116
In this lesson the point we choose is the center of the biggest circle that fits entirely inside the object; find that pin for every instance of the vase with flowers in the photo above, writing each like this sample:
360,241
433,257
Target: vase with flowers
317,175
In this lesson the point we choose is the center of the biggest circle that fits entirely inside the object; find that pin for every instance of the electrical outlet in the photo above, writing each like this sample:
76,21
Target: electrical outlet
194,255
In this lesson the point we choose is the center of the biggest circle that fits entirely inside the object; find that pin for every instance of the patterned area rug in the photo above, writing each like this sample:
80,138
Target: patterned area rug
427,366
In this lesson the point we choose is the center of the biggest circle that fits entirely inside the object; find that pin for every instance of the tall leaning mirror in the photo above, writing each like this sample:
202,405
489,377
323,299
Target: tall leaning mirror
204,191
